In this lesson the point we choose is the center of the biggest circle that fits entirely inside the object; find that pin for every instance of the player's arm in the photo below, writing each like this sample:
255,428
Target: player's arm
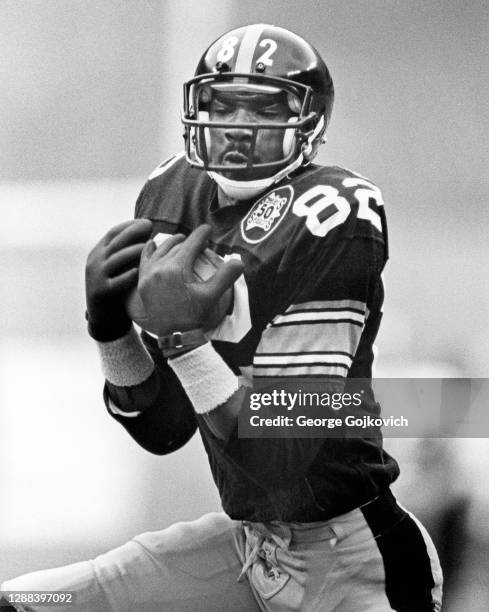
154,409
141,392
318,335
175,301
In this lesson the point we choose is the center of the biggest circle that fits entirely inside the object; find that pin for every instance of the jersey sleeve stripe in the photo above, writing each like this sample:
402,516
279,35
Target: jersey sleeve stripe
358,311
300,365
333,371
354,305
276,343
340,318
261,353
306,358
332,311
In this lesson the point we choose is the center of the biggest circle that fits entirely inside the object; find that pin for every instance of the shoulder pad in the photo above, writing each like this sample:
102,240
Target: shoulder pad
166,165
173,193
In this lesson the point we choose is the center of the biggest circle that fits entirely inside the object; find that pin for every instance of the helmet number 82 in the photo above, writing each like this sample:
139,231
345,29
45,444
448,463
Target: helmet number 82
228,49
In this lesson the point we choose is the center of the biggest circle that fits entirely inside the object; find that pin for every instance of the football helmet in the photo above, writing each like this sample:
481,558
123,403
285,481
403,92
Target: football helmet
261,59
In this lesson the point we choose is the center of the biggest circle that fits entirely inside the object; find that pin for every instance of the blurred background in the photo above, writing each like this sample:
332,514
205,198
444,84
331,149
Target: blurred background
90,104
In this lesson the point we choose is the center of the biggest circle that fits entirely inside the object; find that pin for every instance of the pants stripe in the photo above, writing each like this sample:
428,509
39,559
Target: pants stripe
412,574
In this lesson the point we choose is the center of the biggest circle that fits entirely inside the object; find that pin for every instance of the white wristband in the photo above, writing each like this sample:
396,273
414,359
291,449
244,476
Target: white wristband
206,378
125,361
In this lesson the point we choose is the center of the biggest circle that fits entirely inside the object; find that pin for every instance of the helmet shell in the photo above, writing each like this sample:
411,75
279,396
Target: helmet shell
269,50
266,58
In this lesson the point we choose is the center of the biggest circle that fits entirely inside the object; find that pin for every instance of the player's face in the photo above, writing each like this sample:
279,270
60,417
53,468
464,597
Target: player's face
232,145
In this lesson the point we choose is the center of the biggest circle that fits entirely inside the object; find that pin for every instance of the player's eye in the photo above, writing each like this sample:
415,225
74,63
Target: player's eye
221,108
270,111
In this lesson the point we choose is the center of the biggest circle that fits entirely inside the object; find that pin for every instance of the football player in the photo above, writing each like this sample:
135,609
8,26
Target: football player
308,523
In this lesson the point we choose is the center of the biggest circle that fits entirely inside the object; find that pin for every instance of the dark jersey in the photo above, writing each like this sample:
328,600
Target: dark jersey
308,305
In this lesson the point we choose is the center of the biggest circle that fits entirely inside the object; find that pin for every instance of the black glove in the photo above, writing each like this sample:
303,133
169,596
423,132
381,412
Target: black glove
111,272
173,297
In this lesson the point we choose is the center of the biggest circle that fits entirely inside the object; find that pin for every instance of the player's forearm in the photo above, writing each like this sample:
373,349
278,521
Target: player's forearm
135,399
125,362
218,399
144,397
160,425
212,388
129,370
223,420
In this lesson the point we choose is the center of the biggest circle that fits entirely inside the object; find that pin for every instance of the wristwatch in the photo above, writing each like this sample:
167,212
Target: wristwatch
178,342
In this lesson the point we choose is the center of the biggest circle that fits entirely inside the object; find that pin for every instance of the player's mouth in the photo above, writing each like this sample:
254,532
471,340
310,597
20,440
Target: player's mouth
235,158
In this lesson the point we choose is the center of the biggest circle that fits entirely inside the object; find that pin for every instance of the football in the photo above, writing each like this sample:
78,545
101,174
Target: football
205,266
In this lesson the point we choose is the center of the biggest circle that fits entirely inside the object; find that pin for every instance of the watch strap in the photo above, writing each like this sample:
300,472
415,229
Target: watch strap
179,342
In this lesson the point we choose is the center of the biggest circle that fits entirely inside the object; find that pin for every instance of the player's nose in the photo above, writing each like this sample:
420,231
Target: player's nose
239,134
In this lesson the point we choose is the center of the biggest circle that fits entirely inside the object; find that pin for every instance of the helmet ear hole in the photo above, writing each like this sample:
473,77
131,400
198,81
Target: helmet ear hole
289,138
315,140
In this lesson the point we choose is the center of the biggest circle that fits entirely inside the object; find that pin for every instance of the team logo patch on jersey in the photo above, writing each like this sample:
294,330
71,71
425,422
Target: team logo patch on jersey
266,214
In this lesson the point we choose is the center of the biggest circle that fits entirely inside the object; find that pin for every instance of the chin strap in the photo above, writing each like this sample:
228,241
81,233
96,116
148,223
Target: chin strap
245,190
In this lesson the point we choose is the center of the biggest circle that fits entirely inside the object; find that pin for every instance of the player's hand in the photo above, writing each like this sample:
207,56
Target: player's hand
111,272
173,298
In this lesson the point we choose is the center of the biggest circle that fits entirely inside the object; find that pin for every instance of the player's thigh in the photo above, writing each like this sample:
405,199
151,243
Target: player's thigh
187,567
201,561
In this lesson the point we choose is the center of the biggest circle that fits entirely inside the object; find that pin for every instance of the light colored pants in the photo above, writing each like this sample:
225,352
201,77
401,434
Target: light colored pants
216,564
